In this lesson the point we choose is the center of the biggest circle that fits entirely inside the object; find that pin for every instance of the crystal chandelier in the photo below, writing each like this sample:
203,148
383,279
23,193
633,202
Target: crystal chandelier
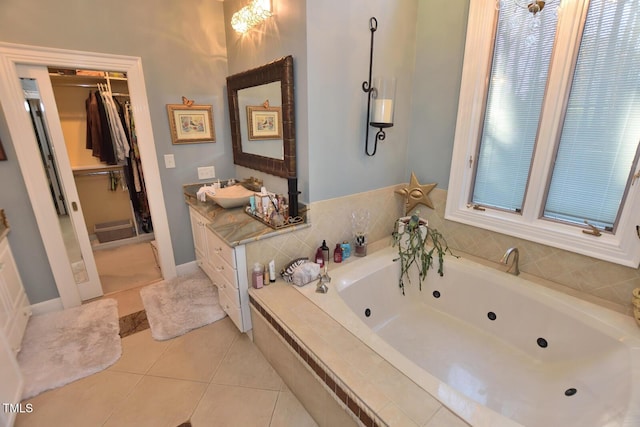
251,15
527,13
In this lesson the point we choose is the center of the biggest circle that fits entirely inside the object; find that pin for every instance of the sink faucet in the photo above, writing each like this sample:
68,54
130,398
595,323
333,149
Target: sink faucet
513,269
322,287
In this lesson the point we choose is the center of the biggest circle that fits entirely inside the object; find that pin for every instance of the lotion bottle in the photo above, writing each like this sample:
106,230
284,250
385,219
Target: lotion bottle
257,276
272,271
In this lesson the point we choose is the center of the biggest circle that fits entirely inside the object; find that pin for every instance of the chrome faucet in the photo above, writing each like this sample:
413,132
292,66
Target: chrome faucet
513,269
322,287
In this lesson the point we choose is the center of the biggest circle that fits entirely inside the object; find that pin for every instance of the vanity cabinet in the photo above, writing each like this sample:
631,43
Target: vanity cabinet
226,266
198,227
14,304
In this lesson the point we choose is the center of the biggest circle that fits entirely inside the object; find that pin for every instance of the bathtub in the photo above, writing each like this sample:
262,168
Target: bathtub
496,349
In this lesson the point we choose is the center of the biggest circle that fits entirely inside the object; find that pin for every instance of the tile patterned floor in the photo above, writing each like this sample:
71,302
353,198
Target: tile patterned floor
210,376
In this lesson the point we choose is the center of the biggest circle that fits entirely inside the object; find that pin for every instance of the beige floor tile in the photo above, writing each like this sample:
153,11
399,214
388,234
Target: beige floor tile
126,267
289,412
139,352
86,402
232,406
158,402
129,301
244,365
196,355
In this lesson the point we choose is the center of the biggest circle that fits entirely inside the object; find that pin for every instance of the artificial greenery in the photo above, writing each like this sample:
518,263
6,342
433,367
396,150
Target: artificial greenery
414,250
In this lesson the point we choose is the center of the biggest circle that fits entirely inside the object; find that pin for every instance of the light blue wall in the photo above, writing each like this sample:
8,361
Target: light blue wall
24,237
183,50
338,45
441,36
282,35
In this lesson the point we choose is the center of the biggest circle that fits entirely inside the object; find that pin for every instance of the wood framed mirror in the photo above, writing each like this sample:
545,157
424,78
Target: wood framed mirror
270,87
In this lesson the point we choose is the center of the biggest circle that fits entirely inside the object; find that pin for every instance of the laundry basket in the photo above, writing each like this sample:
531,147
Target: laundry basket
113,230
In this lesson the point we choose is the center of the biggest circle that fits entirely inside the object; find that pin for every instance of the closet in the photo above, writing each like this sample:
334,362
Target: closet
100,138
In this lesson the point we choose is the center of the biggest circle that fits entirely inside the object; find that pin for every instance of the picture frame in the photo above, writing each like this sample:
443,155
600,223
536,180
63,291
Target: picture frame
3,155
264,122
191,124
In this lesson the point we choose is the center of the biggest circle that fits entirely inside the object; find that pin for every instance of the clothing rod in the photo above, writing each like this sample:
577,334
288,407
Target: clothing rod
87,86
91,173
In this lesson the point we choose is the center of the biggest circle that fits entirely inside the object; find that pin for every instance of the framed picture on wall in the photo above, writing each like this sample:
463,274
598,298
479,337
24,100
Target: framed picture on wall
264,122
191,124
3,155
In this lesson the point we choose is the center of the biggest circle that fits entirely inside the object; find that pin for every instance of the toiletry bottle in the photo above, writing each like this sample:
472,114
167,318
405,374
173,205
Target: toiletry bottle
257,277
325,251
346,250
265,276
337,253
272,271
319,257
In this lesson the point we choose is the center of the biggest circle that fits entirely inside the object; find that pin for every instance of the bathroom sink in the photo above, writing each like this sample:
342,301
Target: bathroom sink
231,197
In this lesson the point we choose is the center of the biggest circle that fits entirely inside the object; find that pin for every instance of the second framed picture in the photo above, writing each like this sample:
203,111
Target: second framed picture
191,123
264,122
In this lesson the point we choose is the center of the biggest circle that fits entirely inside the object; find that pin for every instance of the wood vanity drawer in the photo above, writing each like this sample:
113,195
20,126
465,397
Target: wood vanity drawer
231,309
225,270
216,247
224,286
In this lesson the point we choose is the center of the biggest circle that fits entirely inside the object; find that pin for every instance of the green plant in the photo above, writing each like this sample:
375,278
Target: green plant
412,239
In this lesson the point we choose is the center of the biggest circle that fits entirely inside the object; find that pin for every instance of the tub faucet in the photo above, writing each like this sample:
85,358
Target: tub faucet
513,269
322,287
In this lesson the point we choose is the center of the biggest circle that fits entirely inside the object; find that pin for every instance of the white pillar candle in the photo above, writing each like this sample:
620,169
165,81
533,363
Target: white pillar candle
382,111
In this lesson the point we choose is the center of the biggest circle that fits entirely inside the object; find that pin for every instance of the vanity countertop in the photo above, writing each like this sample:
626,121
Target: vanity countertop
234,226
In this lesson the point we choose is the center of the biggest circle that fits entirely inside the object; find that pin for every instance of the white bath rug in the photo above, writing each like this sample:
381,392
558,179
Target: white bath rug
64,346
174,307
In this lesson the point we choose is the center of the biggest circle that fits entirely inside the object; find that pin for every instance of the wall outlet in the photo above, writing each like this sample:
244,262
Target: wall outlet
169,161
206,172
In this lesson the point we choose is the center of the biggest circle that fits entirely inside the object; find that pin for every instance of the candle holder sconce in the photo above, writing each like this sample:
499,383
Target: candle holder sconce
382,93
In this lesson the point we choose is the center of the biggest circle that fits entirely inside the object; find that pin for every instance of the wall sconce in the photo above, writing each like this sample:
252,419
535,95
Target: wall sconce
251,15
383,94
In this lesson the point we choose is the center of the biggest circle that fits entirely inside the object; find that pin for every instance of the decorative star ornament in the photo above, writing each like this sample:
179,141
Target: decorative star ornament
417,194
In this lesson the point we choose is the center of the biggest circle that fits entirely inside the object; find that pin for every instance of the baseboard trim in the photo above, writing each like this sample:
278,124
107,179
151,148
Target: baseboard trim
187,268
48,306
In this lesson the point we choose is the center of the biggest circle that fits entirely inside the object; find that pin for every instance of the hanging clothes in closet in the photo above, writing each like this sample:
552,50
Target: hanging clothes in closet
134,175
111,137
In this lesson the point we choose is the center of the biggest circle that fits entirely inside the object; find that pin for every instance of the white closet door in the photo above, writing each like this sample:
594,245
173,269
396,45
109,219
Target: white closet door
83,272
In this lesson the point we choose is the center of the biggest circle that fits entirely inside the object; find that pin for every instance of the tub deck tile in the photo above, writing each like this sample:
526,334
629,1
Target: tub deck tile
367,384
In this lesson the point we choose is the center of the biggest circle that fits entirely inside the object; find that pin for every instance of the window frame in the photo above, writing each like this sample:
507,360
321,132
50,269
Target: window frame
620,247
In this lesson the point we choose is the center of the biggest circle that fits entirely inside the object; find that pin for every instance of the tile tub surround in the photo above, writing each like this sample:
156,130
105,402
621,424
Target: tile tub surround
361,381
331,221
600,282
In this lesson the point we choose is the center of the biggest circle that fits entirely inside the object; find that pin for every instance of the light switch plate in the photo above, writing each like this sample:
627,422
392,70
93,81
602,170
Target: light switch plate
206,172
169,161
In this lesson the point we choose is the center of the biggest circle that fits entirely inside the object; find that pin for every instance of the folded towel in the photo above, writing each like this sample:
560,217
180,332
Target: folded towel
204,190
305,273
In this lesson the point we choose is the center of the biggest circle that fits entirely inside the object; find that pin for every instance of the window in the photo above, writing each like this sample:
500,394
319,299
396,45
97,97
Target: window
548,129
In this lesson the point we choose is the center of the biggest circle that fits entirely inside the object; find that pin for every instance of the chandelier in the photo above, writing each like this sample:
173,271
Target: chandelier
527,14
251,15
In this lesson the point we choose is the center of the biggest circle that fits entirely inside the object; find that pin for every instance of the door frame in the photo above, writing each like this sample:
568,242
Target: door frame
20,129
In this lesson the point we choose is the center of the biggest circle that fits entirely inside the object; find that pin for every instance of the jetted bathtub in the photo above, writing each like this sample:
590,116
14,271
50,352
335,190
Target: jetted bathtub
496,349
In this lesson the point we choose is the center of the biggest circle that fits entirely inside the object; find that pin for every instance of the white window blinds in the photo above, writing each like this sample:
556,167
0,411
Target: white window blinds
601,131
521,57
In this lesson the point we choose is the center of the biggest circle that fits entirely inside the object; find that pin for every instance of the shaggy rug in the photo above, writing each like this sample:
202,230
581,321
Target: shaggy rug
175,307
64,346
